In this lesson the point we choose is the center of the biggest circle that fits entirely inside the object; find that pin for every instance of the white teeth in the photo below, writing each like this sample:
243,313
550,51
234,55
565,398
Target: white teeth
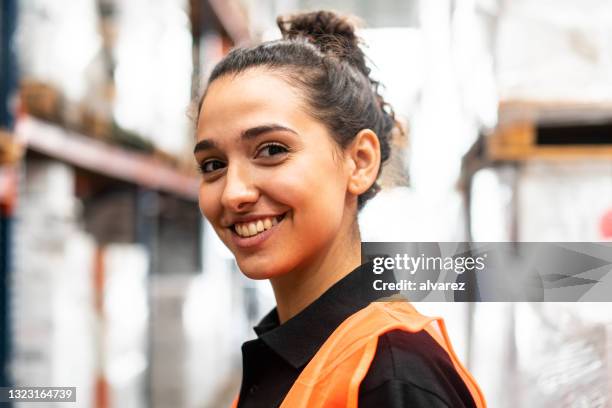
253,228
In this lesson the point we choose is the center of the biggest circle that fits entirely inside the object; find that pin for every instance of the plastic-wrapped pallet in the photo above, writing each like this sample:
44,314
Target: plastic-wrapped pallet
52,301
561,202
154,43
567,362
555,50
58,44
546,355
168,340
125,324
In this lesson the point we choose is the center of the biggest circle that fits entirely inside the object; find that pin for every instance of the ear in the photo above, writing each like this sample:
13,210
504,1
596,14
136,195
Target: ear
363,155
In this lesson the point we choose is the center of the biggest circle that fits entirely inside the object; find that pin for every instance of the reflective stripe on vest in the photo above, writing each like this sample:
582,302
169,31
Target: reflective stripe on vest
333,376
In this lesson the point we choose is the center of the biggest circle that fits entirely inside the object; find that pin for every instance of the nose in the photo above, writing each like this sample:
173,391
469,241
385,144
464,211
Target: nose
239,192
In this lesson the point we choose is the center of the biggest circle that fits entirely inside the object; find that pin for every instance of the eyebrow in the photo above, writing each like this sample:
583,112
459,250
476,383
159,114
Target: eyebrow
248,134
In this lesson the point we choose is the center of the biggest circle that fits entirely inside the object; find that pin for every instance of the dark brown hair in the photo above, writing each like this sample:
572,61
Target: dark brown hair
320,55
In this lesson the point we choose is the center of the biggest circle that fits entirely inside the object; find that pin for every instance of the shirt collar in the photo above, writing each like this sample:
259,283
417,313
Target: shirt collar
298,339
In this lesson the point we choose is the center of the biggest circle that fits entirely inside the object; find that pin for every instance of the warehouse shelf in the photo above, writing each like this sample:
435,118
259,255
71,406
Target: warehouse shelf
103,158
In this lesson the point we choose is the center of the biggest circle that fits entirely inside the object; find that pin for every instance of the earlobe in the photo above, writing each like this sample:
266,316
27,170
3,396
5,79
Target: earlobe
364,153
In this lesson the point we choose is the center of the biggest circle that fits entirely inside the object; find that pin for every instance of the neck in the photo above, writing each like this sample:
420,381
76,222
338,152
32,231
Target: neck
302,286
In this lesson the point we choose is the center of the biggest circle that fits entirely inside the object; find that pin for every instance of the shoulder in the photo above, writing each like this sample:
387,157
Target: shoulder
413,368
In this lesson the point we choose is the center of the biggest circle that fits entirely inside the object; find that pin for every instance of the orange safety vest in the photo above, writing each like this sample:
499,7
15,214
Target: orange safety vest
333,376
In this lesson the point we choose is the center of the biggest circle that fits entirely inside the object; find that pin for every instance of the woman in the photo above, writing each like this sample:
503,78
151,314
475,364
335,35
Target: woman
291,135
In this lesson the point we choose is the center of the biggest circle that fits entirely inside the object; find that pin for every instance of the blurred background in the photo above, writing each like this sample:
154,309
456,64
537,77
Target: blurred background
112,282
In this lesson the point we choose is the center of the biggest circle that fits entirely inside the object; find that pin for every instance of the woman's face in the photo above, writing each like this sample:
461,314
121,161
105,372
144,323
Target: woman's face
273,186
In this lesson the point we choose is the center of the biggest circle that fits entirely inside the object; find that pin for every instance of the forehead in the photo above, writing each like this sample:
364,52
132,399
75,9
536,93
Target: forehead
235,102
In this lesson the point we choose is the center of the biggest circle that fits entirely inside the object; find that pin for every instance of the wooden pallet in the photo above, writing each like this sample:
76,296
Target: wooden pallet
515,137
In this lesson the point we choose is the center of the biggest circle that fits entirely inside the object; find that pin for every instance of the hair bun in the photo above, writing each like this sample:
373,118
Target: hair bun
330,32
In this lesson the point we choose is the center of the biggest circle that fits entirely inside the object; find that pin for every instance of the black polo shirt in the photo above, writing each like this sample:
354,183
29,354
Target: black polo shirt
408,370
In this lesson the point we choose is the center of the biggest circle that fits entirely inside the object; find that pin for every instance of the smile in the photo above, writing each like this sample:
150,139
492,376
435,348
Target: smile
256,227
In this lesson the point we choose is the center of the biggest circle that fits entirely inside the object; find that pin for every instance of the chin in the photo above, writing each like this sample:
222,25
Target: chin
261,268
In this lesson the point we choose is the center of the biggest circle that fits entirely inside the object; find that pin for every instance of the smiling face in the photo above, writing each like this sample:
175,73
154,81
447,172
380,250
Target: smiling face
274,185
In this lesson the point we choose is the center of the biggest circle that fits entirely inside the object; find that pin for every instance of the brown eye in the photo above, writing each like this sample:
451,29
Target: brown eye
272,149
211,165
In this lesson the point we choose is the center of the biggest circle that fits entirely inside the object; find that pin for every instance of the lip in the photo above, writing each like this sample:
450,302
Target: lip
256,240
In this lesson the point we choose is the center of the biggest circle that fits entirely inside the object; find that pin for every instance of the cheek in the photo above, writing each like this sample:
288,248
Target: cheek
313,187
209,202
